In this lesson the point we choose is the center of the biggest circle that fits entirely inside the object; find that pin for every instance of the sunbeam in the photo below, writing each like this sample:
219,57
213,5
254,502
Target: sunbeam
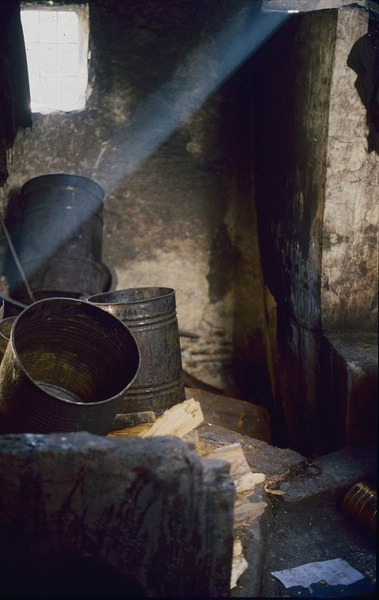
158,117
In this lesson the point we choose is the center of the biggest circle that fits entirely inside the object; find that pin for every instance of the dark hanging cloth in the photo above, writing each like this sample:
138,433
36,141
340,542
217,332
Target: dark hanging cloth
364,60
15,111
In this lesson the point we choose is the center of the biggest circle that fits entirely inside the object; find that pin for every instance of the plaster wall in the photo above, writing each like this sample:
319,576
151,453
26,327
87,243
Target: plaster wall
349,292
175,211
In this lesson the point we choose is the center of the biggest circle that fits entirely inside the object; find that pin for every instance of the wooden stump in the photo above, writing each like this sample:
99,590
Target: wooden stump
151,514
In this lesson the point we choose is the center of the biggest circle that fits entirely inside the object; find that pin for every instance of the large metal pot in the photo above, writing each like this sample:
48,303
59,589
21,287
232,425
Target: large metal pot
66,368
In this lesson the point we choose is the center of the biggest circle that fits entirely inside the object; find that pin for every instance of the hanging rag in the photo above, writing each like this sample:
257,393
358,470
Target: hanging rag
15,111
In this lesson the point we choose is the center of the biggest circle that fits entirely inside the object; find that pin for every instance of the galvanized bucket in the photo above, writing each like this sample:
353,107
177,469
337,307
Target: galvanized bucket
66,368
150,313
58,238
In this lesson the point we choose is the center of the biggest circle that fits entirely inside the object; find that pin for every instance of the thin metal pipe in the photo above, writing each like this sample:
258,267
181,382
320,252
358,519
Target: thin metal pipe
16,260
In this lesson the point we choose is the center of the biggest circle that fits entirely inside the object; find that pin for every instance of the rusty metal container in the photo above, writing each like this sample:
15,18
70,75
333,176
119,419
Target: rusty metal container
150,313
360,504
66,368
58,238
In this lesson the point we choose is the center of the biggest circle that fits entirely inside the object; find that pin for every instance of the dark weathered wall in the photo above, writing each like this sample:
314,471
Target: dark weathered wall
182,152
292,107
349,291
163,133
317,216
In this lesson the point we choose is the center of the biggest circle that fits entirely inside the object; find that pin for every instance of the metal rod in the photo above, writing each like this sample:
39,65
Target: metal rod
16,260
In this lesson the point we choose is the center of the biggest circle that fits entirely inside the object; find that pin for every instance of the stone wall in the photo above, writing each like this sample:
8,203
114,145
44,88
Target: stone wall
249,191
317,215
349,293
173,195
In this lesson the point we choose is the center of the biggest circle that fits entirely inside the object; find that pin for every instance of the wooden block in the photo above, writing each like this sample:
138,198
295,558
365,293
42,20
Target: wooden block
136,430
245,511
239,564
177,420
236,415
121,421
240,471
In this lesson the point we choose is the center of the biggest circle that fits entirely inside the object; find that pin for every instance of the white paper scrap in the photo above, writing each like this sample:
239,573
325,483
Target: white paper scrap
333,572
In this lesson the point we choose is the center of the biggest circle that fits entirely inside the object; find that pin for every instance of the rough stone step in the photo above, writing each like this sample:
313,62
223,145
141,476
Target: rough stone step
350,389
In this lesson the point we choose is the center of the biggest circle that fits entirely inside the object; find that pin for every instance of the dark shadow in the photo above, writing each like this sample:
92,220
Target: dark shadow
61,574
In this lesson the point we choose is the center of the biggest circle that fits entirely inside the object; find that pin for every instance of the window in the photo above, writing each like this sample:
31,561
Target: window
56,40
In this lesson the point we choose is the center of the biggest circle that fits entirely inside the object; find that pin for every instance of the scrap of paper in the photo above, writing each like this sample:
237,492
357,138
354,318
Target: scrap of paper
325,579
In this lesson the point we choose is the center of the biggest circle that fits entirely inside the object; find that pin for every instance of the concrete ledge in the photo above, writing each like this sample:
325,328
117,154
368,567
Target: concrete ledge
349,389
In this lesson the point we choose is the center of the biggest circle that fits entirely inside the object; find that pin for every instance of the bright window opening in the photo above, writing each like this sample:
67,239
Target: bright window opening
56,40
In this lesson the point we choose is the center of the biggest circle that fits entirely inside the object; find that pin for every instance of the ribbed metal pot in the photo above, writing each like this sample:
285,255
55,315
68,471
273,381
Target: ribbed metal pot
150,313
66,368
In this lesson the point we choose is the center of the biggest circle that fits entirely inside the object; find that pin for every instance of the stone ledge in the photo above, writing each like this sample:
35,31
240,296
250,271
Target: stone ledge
350,384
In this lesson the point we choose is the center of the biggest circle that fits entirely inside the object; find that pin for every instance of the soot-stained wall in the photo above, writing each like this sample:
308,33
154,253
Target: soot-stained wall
218,168
163,133
294,100
317,214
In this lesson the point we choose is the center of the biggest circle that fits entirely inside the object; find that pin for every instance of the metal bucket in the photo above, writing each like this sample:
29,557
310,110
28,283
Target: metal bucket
66,368
150,313
5,332
67,277
58,238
